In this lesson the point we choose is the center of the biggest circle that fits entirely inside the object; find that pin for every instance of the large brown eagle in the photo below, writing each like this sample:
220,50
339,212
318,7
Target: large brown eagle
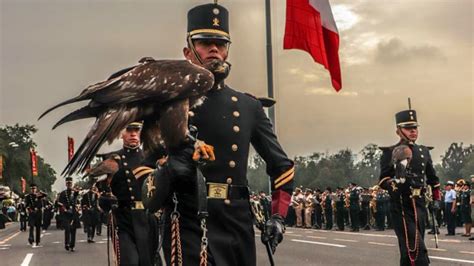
159,92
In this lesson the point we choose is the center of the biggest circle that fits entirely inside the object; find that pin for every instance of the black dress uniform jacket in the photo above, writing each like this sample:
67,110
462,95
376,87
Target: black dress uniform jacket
229,121
136,228
422,172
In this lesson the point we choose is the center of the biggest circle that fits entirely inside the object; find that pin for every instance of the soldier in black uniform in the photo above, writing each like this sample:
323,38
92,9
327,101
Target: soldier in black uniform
328,208
341,199
90,212
405,169
354,207
34,205
380,208
364,209
23,214
465,206
67,202
230,121
133,228
48,213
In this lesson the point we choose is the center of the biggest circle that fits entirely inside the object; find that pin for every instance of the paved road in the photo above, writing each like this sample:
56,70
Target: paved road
300,247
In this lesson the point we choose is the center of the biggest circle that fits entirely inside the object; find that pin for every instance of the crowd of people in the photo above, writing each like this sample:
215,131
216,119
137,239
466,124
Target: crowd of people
362,208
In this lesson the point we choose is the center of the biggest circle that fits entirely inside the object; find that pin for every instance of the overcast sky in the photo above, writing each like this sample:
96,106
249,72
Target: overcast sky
390,50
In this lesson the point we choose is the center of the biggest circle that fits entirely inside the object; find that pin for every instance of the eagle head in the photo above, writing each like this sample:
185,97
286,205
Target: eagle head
220,69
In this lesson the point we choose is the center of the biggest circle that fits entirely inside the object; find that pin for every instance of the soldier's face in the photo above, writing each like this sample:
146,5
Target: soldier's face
131,137
208,49
410,132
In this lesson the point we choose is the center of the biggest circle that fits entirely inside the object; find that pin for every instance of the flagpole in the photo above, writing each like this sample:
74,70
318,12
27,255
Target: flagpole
271,110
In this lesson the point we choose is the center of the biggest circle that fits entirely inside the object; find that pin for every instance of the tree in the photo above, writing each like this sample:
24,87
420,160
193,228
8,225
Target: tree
367,169
454,160
15,144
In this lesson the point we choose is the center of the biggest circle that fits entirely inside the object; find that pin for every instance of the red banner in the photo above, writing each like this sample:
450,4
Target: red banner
23,185
70,148
1,166
34,163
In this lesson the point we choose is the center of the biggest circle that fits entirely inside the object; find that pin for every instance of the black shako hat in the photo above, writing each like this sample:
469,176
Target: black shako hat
134,125
406,118
68,179
209,21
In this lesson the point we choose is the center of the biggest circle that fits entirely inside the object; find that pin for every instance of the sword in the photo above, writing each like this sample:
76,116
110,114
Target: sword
260,222
435,229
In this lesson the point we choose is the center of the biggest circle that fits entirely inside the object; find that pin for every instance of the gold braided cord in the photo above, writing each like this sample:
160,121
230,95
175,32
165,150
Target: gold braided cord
416,248
176,252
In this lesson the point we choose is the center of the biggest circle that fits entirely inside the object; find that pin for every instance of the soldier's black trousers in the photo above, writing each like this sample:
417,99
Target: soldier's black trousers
90,231
328,217
34,221
69,235
23,223
340,218
413,231
354,212
450,218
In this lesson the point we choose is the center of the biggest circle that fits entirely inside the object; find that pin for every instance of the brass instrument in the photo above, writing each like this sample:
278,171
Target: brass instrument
346,199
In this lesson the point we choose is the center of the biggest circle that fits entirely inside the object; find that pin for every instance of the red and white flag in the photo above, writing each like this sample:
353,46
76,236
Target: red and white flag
34,163
310,26
70,148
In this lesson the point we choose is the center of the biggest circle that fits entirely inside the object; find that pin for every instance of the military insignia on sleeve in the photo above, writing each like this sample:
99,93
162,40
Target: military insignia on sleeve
150,186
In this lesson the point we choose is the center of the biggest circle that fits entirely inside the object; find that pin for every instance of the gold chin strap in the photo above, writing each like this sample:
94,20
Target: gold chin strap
191,45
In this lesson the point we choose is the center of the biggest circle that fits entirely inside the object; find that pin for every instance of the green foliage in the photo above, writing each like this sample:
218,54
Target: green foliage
456,162
15,144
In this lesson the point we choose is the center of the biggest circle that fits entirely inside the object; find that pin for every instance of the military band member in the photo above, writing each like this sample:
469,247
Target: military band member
297,202
466,208
364,209
405,169
34,205
308,207
340,200
67,202
380,210
354,207
90,212
327,200
229,121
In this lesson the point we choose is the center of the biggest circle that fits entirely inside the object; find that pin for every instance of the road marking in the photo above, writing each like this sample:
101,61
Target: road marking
451,259
345,240
8,238
5,245
47,234
362,234
4,248
82,241
466,252
104,239
56,242
27,259
436,249
100,242
447,240
382,244
318,237
318,243
296,235
289,232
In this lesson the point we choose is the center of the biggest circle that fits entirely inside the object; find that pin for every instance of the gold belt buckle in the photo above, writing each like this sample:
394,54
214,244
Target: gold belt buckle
138,205
416,192
217,191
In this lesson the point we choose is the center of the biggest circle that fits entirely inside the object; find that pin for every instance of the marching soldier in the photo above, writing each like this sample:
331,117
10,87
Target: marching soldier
327,200
354,206
34,205
67,202
229,121
133,228
23,214
380,210
405,169
90,212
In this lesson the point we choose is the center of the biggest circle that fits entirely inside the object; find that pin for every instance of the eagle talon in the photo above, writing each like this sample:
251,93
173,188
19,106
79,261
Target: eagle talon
203,151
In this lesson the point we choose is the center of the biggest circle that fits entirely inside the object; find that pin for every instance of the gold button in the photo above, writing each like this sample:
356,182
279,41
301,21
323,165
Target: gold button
125,164
236,129
234,99
422,156
236,114
132,197
227,201
229,180
127,172
128,180
123,156
191,113
232,164
235,147
130,188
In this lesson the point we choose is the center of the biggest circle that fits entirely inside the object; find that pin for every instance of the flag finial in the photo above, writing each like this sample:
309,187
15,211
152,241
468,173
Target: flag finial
409,103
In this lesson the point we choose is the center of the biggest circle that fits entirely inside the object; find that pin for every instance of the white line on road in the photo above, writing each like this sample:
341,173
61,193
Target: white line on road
56,242
318,237
8,238
4,248
27,259
296,235
5,245
382,244
318,243
436,249
363,234
466,252
448,240
345,240
451,259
